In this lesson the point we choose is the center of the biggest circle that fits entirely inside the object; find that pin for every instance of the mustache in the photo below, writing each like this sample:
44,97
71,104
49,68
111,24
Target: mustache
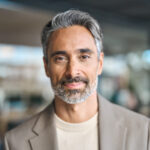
75,79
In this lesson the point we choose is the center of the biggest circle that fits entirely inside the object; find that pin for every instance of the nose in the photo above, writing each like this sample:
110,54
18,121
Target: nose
72,69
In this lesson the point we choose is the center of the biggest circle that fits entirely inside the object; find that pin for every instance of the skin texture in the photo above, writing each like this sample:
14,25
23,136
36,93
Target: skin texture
72,52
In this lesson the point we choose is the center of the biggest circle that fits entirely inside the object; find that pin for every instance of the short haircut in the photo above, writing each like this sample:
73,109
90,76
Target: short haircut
70,18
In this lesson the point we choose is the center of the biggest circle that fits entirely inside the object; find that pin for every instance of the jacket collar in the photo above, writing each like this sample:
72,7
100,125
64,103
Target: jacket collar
111,126
45,132
112,132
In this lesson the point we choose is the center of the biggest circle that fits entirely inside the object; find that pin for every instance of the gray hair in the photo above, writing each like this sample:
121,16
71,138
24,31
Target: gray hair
70,18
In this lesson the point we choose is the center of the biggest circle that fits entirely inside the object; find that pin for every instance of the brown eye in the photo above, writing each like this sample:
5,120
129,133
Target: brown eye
84,57
60,59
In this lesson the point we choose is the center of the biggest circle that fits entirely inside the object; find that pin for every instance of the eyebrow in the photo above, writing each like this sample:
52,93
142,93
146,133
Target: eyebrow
61,52
85,50
58,53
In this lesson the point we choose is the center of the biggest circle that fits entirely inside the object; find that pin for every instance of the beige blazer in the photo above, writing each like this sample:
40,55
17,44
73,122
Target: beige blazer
119,129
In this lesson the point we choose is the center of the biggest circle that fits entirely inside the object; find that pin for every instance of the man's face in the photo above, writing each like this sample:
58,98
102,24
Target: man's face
73,65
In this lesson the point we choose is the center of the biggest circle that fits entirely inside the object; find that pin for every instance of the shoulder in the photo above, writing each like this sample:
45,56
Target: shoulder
25,130
18,137
137,125
133,127
130,118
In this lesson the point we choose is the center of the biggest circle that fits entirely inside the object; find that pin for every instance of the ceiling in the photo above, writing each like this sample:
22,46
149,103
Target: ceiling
21,26
125,24
130,11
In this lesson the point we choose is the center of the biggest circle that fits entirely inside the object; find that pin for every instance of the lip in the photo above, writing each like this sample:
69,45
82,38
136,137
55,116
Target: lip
74,85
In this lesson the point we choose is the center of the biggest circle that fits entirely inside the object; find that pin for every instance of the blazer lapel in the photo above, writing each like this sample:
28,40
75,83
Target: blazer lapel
111,128
45,132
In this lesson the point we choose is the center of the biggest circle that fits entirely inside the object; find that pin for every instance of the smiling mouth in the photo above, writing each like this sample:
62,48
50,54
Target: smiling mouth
74,85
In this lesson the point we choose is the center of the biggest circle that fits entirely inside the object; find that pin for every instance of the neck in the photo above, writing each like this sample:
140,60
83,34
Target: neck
76,113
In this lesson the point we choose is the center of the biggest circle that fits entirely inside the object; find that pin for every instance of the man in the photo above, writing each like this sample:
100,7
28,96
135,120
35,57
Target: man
78,118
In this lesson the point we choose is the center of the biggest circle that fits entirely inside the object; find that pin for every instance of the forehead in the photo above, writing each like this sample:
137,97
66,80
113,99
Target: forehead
71,38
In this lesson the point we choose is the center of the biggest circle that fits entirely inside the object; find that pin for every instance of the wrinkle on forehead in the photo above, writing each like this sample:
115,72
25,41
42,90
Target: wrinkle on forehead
77,36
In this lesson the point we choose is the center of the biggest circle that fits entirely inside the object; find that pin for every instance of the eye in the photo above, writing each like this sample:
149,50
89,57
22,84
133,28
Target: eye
84,57
60,59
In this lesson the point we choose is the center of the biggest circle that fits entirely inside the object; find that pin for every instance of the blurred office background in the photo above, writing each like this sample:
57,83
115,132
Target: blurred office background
24,88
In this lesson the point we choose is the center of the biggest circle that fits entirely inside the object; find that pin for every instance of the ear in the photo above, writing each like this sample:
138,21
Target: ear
46,67
100,67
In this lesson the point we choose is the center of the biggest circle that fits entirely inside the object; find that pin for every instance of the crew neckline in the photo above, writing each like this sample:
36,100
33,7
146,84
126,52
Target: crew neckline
76,127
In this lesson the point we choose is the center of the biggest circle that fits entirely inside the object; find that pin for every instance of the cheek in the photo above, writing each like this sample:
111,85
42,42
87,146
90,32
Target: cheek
92,73
93,77
56,74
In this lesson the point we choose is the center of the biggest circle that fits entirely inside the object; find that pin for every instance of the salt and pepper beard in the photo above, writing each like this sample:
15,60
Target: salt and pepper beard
75,96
